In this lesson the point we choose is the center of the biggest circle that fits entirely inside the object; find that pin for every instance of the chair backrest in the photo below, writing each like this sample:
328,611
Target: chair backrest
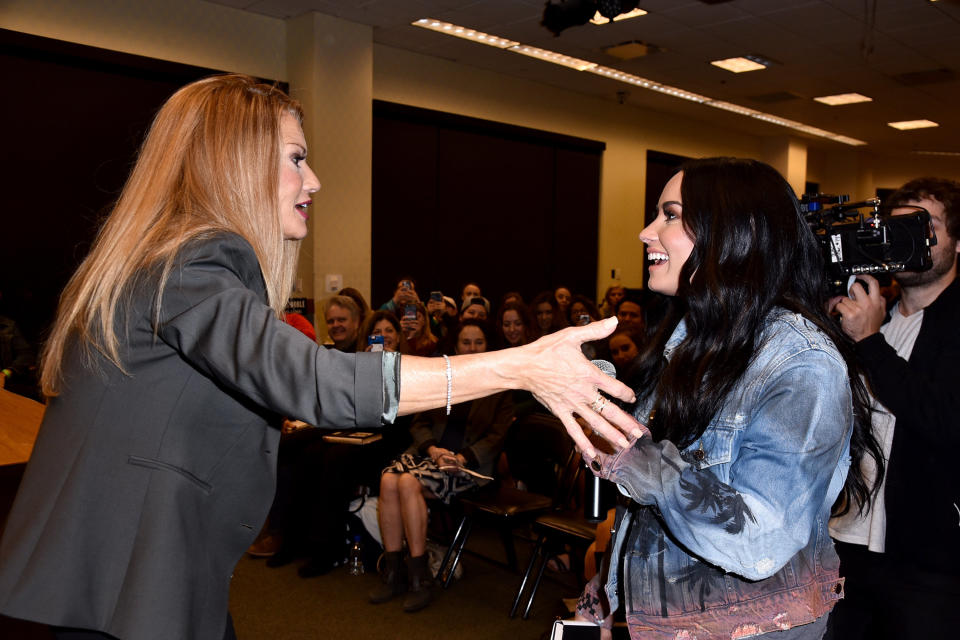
569,493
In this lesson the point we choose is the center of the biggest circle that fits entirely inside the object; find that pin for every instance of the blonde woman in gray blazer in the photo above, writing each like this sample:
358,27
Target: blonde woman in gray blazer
168,367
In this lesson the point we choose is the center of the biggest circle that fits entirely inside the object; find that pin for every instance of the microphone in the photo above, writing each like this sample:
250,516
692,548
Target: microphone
594,505
605,366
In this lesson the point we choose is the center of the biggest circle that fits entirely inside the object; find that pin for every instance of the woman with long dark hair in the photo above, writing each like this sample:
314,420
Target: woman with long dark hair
756,413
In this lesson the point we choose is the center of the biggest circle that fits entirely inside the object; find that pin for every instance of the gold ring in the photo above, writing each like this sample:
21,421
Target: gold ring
598,404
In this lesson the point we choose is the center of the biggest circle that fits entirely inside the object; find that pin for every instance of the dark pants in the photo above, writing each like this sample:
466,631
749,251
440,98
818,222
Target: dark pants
890,599
64,633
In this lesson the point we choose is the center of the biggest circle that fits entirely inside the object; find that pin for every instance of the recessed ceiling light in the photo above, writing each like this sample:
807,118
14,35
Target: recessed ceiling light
904,125
599,19
843,98
738,65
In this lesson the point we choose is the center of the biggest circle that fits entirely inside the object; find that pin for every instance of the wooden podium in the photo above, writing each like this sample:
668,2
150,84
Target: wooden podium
19,422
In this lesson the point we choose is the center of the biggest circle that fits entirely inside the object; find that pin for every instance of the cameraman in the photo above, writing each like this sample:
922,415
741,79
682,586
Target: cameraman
901,559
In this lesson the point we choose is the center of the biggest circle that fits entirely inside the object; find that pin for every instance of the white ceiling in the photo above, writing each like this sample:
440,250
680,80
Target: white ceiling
820,47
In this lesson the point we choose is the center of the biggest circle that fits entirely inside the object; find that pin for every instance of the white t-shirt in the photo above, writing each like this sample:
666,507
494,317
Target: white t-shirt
870,529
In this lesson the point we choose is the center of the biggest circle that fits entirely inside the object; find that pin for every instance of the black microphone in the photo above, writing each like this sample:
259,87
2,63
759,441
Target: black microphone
594,505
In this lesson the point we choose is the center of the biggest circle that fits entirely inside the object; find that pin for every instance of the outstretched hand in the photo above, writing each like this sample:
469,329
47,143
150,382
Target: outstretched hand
566,383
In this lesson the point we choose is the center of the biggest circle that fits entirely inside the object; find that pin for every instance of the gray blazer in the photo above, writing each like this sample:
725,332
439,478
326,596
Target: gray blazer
145,488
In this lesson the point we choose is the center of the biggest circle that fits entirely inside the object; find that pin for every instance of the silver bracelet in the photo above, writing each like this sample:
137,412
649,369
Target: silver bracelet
446,359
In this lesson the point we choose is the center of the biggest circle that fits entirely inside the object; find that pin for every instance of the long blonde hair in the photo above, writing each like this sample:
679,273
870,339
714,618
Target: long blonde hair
209,163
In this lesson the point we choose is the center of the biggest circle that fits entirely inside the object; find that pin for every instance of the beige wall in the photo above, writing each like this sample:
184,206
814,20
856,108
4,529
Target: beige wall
333,82
187,31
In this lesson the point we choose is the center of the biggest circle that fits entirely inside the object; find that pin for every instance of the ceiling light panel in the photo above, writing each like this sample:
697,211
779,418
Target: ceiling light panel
738,65
843,98
905,125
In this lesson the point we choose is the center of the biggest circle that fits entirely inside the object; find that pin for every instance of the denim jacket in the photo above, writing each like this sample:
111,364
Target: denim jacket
728,537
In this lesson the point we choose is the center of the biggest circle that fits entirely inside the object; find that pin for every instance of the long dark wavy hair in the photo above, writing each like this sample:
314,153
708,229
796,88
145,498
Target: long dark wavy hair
752,252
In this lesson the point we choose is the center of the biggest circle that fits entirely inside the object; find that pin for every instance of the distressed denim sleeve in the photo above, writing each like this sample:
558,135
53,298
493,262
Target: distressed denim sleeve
751,515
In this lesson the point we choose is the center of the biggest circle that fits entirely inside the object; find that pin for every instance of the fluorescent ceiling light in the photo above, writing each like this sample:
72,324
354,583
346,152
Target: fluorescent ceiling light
621,76
465,33
738,65
843,98
904,125
599,19
552,56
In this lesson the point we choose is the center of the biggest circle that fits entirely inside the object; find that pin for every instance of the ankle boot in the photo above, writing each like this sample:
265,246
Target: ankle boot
418,584
391,583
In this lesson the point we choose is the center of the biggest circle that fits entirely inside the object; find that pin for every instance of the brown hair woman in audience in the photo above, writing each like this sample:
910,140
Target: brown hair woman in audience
471,436
419,337
169,361
546,314
514,326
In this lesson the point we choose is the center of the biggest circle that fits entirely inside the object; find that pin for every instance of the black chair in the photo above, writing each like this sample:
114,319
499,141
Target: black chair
563,527
508,508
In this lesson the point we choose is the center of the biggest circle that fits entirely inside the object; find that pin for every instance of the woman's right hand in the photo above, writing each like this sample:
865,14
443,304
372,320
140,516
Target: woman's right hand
555,370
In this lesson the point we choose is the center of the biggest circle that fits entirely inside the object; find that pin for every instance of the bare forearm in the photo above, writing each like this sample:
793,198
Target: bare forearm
423,381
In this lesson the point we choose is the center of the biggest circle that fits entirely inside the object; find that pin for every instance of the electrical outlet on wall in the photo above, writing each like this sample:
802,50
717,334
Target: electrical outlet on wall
334,282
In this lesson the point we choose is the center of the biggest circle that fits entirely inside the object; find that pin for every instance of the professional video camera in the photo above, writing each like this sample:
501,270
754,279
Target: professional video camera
878,244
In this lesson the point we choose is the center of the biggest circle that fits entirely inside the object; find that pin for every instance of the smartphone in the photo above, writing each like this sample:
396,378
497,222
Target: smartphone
436,296
406,285
409,312
375,342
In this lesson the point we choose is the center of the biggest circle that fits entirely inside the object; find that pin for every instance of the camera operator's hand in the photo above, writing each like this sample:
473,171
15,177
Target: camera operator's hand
861,314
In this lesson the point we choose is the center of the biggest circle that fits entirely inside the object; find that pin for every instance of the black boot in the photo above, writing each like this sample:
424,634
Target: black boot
391,583
419,583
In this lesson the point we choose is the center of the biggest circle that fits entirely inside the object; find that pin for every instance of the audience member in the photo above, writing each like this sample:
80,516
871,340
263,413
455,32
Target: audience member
563,296
301,324
419,337
614,294
443,445
17,359
356,296
470,290
514,326
630,310
546,313
343,322
625,344
475,308
403,294
900,558
512,296
386,324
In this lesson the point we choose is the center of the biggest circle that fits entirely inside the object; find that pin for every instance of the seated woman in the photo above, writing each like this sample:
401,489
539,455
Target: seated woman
756,411
514,326
582,312
420,339
386,324
611,298
546,314
625,344
471,436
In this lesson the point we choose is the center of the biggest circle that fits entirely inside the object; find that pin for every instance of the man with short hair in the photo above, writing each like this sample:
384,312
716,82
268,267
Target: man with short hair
343,322
901,559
